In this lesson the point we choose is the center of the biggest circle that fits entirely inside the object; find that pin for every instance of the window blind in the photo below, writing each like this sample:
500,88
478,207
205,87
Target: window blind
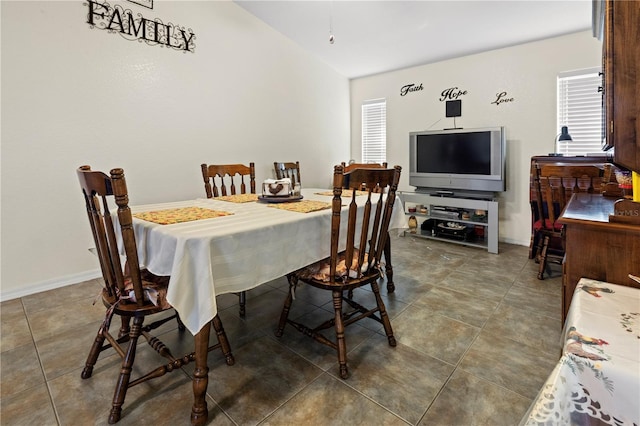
374,131
580,109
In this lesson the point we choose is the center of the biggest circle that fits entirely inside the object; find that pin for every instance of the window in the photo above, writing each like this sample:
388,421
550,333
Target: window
580,109
374,131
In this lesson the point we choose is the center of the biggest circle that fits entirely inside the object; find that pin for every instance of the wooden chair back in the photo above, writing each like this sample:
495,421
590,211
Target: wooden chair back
554,185
217,177
98,189
353,166
288,170
367,229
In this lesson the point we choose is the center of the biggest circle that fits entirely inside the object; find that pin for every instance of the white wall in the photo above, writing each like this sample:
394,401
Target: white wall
72,95
526,72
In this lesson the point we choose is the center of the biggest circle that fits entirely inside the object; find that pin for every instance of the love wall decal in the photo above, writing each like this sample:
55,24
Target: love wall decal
116,19
501,98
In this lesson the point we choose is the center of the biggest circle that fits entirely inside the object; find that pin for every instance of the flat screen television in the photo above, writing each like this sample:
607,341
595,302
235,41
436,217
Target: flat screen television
458,160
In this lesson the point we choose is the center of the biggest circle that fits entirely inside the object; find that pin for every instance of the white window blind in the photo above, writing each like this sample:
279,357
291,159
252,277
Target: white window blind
580,109
374,131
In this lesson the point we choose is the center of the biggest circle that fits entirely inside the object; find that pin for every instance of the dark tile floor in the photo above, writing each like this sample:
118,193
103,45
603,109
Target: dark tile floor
477,336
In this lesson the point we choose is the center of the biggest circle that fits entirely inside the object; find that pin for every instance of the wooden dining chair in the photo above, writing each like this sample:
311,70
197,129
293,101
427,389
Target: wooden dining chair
353,259
288,170
216,178
553,187
352,166
387,250
132,293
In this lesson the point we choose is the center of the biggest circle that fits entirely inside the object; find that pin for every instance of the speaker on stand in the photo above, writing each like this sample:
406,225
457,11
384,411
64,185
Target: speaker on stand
454,109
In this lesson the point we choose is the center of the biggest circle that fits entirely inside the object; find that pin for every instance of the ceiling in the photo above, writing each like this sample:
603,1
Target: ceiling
372,37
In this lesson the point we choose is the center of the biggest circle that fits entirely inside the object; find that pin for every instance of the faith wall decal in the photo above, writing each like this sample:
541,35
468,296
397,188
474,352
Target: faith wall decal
410,88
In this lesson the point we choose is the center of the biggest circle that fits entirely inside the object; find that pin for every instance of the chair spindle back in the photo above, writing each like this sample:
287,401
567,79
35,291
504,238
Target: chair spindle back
555,184
364,236
97,188
216,178
288,170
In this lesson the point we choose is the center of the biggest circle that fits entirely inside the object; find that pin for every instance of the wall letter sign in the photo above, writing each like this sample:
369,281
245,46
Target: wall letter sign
145,3
452,93
501,98
115,19
410,88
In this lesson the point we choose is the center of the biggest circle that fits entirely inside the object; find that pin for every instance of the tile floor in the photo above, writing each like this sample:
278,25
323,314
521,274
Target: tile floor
477,336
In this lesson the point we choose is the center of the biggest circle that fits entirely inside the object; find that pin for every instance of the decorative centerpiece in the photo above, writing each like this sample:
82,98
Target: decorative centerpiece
280,191
277,188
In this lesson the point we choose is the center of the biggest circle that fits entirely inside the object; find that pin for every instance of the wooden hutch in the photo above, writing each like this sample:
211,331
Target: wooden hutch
603,233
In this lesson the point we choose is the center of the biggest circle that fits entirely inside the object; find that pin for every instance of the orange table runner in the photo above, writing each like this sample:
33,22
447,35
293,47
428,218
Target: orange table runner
183,214
239,198
305,206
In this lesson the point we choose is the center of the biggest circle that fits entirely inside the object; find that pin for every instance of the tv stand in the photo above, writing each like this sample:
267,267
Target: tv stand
471,220
472,195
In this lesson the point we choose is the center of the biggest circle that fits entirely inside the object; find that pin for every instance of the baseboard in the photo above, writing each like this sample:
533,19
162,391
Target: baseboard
49,285
514,242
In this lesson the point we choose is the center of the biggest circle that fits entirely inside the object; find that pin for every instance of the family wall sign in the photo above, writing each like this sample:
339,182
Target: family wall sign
116,19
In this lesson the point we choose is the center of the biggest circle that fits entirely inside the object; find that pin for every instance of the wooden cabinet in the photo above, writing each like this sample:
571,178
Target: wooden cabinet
597,248
621,63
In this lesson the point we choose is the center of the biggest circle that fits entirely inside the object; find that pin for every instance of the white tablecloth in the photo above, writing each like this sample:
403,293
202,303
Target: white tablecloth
233,253
597,380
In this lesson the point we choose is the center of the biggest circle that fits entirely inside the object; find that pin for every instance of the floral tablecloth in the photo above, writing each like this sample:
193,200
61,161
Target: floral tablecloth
597,380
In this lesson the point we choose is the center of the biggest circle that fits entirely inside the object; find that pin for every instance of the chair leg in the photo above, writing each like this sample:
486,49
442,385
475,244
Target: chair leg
199,412
181,325
340,341
222,340
383,314
391,287
242,296
542,259
287,306
538,249
124,326
531,245
125,372
96,348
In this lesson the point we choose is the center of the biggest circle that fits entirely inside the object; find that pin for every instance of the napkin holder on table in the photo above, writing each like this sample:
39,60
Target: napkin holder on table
277,188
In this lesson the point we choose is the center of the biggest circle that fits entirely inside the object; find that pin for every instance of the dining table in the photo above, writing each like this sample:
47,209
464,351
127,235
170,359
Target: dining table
229,244
597,379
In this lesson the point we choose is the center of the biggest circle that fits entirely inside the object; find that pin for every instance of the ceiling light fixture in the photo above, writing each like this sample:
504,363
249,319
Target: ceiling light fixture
332,38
